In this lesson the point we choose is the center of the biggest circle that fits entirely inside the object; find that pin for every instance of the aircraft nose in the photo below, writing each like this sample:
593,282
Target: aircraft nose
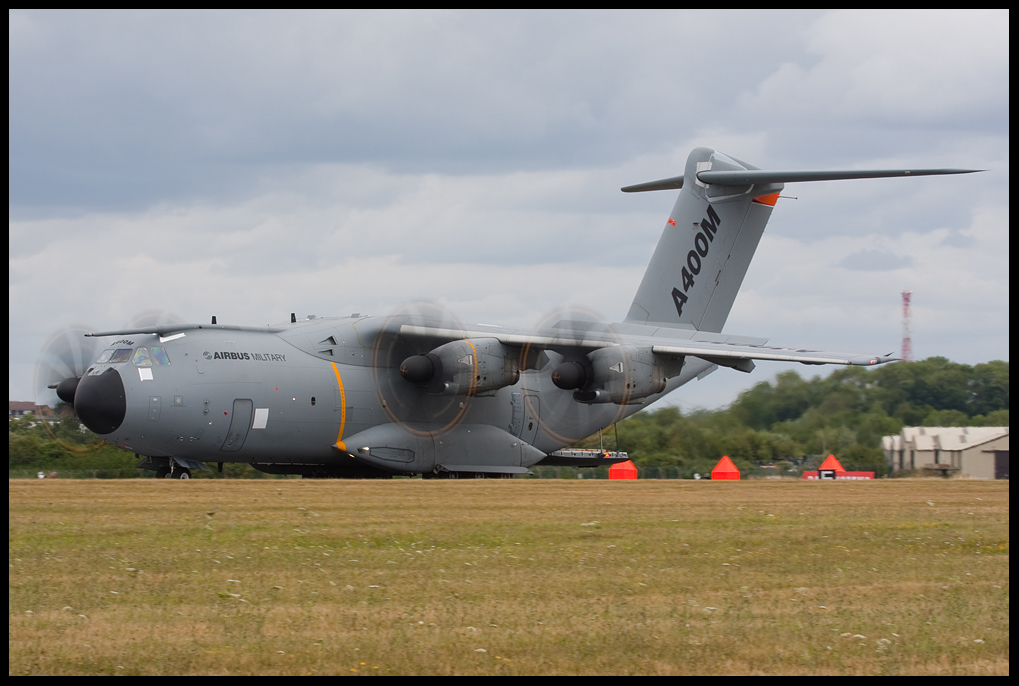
100,402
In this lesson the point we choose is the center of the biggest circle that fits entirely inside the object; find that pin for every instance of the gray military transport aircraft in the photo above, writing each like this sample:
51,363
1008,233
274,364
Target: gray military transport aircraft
416,392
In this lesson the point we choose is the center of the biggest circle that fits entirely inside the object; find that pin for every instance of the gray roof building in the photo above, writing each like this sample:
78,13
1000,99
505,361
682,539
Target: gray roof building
976,451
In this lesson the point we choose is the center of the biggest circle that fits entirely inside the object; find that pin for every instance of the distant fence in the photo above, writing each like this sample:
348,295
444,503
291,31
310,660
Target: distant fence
603,473
130,474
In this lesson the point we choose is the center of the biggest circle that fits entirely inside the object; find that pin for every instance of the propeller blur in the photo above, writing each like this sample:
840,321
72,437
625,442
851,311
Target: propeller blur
417,391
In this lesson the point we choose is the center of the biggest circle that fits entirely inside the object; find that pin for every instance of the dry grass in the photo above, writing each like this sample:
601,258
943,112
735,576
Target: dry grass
508,577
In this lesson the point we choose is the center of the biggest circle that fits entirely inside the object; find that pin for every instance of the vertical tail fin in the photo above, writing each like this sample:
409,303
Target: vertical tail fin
713,232
706,247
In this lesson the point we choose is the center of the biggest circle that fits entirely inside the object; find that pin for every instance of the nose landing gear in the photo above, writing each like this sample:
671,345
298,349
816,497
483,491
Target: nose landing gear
174,471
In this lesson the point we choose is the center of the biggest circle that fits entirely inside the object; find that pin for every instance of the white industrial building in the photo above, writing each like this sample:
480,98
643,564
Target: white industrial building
977,451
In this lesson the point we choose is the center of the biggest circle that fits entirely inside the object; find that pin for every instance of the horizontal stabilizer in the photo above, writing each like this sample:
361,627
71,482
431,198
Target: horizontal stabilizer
670,184
766,176
763,176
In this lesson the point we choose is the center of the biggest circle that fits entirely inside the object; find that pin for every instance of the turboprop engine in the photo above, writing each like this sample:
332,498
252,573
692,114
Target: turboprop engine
617,374
464,367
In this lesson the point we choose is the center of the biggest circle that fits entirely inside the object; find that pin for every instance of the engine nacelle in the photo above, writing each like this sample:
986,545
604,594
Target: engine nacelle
465,367
617,374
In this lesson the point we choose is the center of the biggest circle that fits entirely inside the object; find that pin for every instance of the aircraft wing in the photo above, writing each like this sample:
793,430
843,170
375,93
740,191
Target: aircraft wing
721,349
721,353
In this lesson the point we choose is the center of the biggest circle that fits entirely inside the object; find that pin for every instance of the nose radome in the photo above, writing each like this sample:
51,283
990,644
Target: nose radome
100,402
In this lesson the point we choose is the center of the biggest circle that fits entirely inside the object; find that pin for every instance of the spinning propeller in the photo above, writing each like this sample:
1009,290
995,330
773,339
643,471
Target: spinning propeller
564,409
409,376
67,355
64,360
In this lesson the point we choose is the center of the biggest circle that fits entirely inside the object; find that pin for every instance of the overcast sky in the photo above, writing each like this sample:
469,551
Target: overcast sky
252,164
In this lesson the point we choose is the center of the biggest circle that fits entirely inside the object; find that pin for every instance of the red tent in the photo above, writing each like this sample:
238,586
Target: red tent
623,470
725,470
831,469
831,463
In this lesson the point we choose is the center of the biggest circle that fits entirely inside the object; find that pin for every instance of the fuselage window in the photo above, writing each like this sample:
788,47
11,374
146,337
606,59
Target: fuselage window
141,357
105,356
159,356
120,355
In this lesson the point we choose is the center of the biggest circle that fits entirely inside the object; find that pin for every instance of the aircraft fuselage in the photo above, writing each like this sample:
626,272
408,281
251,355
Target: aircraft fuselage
297,396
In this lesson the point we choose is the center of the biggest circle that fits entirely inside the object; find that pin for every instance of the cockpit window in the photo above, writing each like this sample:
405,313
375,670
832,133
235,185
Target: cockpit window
105,357
141,357
159,356
120,355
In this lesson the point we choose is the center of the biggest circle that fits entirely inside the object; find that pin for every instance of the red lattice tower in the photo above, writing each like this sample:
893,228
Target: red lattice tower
907,341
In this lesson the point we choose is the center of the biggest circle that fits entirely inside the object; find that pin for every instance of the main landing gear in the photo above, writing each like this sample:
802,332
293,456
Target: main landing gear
465,475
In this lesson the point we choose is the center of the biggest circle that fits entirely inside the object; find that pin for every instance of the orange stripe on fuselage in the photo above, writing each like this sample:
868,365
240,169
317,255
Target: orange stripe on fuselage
343,408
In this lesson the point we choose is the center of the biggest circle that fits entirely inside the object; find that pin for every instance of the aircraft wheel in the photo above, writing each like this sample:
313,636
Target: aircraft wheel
163,473
181,474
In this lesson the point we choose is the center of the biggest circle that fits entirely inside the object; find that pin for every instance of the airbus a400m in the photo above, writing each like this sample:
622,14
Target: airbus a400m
417,392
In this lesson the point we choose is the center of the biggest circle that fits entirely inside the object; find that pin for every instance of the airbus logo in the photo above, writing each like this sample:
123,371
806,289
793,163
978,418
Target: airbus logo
258,357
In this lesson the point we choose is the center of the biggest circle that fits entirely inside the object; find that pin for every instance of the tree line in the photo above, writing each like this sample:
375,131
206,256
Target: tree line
791,423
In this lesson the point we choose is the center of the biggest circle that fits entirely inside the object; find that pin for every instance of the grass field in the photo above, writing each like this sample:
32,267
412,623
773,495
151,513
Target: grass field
508,577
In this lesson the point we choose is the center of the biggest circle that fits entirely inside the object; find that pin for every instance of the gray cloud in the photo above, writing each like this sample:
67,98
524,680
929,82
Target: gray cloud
875,261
